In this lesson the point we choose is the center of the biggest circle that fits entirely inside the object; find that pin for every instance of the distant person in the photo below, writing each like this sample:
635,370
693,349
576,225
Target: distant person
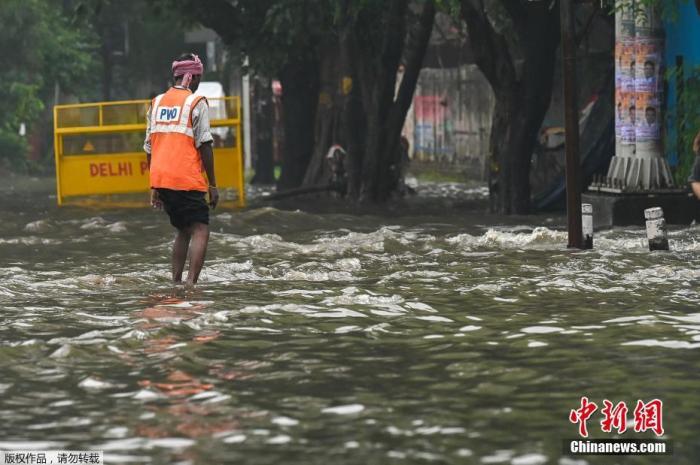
694,178
405,161
336,159
399,167
179,151
633,115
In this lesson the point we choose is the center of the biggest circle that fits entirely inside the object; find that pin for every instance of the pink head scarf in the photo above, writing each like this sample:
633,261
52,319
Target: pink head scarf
187,68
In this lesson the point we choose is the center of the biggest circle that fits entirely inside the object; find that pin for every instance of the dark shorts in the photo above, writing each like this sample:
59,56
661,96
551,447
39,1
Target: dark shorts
184,207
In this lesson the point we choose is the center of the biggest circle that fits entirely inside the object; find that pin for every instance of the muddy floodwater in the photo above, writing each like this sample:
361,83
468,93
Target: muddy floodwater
423,336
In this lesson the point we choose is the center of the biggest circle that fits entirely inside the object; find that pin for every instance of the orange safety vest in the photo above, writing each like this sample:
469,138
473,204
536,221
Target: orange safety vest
175,160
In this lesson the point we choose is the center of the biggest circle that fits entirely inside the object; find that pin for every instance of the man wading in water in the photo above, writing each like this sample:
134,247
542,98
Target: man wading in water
694,178
179,149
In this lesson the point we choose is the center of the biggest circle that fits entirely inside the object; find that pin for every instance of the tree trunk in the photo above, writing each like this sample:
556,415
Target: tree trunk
352,121
520,69
518,114
509,176
107,64
325,128
356,105
386,64
299,88
340,118
264,167
416,46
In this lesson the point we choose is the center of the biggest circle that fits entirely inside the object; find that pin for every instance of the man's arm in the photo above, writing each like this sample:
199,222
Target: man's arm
155,200
206,152
147,140
203,140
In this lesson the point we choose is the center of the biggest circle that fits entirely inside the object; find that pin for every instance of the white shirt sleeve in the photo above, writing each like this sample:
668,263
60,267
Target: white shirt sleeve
147,141
200,124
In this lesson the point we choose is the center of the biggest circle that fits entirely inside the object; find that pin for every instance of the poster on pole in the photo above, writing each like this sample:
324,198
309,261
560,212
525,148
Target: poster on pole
647,127
626,65
648,65
628,117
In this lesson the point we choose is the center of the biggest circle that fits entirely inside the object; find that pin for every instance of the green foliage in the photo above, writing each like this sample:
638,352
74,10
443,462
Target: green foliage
687,122
41,49
273,33
138,41
270,33
449,7
669,8
290,32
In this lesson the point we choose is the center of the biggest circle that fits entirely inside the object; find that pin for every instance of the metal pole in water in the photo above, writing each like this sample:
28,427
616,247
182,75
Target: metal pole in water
247,157
573,183
656,228
587,225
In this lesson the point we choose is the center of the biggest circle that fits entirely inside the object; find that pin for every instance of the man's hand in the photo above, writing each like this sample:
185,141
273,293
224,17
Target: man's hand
213,196
696,144
155,200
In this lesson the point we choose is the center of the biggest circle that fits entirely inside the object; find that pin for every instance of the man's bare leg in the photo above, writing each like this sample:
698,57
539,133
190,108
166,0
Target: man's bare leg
695,186
198,250
180,246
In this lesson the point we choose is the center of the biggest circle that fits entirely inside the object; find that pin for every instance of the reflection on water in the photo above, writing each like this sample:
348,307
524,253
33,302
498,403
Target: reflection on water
424,338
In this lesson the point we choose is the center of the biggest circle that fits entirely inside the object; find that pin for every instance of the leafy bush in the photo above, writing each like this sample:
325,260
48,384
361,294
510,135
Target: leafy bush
686,119
47,50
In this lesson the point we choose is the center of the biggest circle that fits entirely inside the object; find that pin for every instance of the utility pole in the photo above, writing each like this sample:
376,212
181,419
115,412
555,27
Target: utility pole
573,167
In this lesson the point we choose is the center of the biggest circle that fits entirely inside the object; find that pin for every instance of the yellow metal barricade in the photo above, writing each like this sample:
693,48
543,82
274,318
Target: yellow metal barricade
99,148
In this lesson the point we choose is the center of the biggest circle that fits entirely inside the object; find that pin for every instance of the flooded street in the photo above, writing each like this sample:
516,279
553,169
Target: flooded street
437,336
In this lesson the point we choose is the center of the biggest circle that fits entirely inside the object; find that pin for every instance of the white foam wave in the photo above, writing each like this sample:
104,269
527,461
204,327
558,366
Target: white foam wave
540,237
344,409
542,329
94,384
327,245
30,240
38,226
99,223
664,344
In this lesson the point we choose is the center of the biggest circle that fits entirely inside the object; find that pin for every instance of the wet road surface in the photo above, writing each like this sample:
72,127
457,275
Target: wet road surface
436,336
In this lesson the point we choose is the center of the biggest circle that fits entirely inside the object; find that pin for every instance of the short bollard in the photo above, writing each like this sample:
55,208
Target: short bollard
656,228
587,225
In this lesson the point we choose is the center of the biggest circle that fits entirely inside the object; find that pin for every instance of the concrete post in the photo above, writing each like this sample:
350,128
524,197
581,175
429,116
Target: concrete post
656,229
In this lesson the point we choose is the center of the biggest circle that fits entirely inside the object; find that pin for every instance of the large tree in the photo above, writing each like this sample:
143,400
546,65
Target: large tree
279,39
130,67
514,43
338,62
363,106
